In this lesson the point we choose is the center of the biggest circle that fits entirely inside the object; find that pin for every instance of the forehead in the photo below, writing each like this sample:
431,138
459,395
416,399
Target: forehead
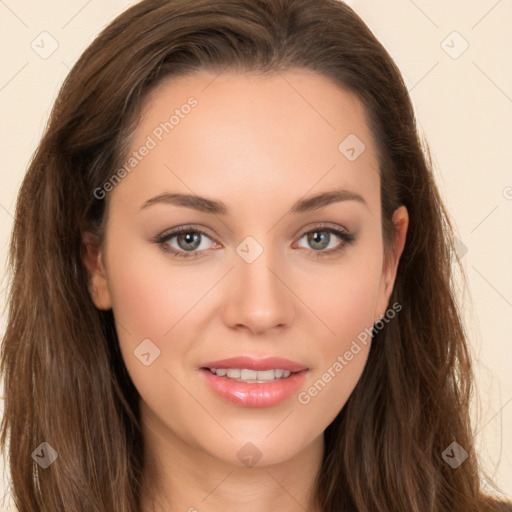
292,131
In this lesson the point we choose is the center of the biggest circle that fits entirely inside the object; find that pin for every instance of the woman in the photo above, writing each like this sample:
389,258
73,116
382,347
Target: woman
231,277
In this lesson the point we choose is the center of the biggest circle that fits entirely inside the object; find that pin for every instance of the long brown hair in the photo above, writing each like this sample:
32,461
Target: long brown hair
64,377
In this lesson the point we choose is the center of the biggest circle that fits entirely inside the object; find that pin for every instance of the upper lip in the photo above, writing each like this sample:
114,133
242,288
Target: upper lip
249,363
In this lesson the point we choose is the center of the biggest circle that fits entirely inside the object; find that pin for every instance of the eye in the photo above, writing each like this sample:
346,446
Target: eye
321,238
188,243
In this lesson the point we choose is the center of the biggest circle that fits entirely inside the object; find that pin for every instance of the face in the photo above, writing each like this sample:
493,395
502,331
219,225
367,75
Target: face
260,269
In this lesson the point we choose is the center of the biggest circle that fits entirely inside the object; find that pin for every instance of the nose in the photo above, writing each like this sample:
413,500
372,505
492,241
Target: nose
258,297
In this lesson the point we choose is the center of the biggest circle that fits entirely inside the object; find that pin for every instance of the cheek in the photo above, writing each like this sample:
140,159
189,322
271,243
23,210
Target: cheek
346,297
150,300
150,294
327,392
341,356
348,308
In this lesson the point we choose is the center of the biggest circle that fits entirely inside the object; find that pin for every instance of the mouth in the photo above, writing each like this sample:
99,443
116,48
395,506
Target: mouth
249,382
251,376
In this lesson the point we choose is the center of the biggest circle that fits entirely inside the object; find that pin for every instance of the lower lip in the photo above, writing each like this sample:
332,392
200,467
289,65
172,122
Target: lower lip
245,394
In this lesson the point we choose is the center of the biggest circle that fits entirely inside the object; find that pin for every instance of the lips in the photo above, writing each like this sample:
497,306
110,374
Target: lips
244,394
254,393
269,363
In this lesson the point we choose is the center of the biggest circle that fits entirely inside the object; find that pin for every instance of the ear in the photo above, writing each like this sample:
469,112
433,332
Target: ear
401,223
93,261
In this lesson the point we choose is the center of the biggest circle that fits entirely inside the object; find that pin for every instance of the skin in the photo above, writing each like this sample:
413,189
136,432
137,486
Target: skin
258,145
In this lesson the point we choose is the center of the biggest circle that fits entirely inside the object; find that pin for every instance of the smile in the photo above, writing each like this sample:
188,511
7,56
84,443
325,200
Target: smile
251,376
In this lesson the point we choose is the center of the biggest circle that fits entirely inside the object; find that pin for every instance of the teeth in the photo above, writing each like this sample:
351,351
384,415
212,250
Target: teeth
245,375
233,373
253,375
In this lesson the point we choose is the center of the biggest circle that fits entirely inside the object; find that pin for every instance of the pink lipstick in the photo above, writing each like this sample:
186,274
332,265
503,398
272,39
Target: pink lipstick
250,382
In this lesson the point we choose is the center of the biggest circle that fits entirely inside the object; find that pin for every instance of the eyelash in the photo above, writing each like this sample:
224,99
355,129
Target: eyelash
347,239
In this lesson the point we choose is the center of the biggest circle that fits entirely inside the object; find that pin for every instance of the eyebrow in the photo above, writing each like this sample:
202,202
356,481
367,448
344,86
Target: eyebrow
219,208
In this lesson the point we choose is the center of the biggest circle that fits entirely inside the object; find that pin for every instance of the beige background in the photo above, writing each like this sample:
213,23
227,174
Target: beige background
463,101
